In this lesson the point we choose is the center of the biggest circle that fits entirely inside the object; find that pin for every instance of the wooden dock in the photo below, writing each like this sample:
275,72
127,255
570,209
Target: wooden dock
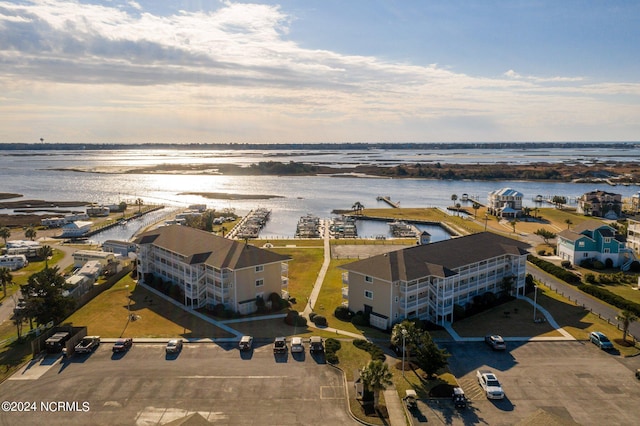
387,200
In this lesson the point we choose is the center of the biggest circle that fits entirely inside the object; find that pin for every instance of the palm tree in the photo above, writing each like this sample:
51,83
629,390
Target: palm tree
626,318
357,207
376,377
5,233
475,207
45,252
513,224
30,233
139,203
5,278
568,222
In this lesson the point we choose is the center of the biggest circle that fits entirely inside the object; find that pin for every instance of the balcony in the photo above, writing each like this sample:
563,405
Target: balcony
345,278
345,293
285,282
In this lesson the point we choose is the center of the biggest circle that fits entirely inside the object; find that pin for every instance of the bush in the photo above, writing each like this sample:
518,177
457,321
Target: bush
342,313
597,265
373,350
542,252
611,298
635,266
590,278
360,319
312,315
319,320
566,264
555,270
331,346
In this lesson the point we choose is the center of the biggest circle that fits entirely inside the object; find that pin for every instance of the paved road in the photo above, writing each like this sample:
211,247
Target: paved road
595,305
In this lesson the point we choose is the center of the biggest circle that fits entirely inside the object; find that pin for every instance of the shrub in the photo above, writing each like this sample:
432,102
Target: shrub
291,317
319,320
608,263
359,319
542,252
331,346
312,315
590,278
373,350
565,264
555,270
611,298
597,265
342,313
635,266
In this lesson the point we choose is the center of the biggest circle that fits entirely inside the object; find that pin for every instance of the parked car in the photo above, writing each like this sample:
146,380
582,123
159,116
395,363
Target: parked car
174,346
122,345
490,384
280,345
296,345
496,342
246,343
600,340
316,344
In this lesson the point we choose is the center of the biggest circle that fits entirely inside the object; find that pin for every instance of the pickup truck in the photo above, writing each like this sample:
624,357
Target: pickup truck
87,344
490,384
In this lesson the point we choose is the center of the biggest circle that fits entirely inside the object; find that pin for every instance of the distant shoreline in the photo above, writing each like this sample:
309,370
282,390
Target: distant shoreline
608,173
15,146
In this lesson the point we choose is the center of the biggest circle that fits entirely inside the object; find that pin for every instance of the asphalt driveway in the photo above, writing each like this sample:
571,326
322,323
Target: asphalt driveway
147,387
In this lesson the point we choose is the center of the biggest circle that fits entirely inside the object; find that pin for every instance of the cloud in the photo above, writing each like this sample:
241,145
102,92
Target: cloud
234,71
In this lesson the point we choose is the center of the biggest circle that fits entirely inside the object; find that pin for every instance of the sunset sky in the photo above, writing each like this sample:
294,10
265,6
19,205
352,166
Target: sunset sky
319,71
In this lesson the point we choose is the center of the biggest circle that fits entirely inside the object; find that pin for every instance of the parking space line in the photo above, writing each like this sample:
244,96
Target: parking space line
331,392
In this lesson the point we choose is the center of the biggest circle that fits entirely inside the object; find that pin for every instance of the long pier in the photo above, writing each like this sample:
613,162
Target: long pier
387,200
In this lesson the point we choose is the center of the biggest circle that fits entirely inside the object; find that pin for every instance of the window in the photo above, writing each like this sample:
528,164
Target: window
397,299
259,268
368,294
607,239
368,279
581,244
259,283
607,250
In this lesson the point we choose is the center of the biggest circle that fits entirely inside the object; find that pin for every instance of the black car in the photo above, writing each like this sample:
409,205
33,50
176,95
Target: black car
122,345
280,345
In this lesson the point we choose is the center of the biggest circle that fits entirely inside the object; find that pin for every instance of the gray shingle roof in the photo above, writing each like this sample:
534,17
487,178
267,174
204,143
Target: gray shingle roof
437,259
202,247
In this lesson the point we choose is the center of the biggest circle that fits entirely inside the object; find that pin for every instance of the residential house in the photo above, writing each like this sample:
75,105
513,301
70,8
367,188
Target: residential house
76,229
211,270
427,281
122,248
594,240
505,202
633,234
635,203
600,204
81,257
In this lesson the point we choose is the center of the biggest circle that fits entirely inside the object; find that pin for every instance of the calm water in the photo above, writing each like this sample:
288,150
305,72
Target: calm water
34,175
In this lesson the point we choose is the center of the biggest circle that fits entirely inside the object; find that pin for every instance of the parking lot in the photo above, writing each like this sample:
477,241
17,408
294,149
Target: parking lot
572,381
145,386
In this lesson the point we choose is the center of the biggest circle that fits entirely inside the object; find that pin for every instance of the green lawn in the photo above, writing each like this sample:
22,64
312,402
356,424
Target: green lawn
107,315
303,271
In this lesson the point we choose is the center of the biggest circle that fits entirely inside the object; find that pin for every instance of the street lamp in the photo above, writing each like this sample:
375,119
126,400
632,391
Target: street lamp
128,302
535,301
404,336
486,218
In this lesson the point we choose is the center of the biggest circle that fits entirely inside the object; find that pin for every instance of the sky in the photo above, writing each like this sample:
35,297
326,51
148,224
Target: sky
306,71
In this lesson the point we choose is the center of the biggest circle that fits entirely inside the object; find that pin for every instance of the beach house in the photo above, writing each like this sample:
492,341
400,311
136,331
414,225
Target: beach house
591,241
601,204
427,281
211,270
633,235
505,203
